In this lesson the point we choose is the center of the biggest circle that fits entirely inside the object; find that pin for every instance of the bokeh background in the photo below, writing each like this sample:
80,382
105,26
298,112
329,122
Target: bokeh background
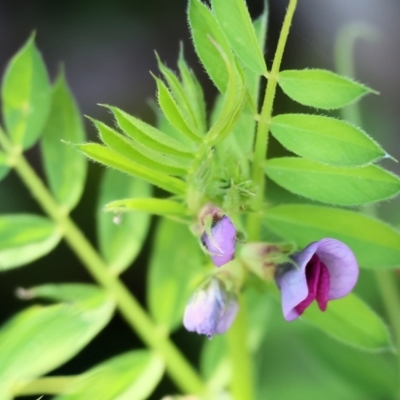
107,48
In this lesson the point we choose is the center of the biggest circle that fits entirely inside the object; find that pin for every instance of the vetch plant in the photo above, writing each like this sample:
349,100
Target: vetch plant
229,251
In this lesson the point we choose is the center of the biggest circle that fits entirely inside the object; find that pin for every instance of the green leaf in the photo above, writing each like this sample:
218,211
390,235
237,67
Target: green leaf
133,150
351,321
375,244
64,292
205,32
40,339
234,20
329,369
231,106
175,270
150,205
333,185
239,143
320,88
327,140
25,238
26,95
149,136
194,94
121,243
64,166
112,159
174,113
130,376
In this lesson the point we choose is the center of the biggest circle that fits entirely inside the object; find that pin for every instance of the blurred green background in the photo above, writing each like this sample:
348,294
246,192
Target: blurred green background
107,48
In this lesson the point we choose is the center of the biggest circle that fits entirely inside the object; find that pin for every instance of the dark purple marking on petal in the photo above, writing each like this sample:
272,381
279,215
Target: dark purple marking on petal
313,270
323,287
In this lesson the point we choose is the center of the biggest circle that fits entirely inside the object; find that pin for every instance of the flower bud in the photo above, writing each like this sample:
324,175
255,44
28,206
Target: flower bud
211,309
218,234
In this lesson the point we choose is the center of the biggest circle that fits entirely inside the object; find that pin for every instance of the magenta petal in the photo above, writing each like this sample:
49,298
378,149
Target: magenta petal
341,264
323,287
221,244
313,270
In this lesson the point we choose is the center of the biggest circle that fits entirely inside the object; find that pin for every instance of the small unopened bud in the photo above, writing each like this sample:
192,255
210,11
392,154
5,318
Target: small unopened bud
211,309
218,234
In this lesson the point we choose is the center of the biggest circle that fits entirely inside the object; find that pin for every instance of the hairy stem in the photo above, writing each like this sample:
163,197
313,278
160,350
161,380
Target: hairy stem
177,366
241,363
261,144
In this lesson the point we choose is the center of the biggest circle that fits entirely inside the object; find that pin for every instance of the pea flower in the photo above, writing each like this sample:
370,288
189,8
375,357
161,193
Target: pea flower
323,271
211,310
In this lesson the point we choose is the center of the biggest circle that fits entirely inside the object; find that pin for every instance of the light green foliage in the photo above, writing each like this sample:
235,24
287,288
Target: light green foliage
64,166
150,205
351,321
110,158
327,140
40,338
140,154
375,244
234,20
333,185
25,238
149,136
320,88
241,139
174,113
121,242
317,367
26,96
175,271
193,93
206,34
130,376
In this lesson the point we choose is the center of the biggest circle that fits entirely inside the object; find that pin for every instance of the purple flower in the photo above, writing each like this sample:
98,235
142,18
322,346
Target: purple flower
324,270
220,241
210,310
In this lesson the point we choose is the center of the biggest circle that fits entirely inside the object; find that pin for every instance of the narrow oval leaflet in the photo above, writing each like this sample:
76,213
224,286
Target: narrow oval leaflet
65,167
149,205
26,95
110,158
321,88
121,243
48,336
353,322
204,26
25,238
333,185
234,20
174,272
326,140
129,376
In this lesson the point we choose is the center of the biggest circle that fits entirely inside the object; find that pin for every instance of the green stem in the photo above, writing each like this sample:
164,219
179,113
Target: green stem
261,144
177,366
241,365
48,385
